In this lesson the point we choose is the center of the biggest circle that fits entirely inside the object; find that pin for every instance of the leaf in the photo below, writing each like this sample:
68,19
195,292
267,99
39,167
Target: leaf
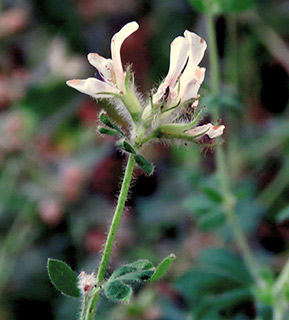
227,262
117,291
211,220
214,7
122,271
124,145
220,275
139,275
142,264
162,268
63,277
140,270
144,164
198,204
213,195
104,130
265,295
283,215
211,7
231,6
224,301
104,119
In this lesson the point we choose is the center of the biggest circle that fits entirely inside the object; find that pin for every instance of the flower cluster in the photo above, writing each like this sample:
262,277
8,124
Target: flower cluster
161,116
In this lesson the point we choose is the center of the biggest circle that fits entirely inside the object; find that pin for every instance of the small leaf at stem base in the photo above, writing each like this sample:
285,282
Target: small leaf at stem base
144,164
105,119
63,277
124,145
106,131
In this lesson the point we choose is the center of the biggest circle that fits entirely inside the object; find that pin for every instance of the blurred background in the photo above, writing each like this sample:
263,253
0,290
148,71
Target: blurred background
59,179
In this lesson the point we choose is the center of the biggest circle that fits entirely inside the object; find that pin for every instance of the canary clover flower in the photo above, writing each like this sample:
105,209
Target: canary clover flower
185,76
160,117
111,76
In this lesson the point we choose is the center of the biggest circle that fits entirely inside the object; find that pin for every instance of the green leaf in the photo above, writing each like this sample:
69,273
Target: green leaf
206,6
124,145
122,271
220,275
214,7
227,262
224,301
234,6
139,275
141,264
265,295
104,119
104,130
283,215
144,164
211,220
63,277
140,270
162,268
199,204
117,291
213,195
286,292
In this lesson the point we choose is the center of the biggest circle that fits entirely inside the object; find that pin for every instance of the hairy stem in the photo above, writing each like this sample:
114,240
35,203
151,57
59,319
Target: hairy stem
90,303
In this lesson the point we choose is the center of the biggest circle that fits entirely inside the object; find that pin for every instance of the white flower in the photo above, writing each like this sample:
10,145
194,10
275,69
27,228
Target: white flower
184,78
111,73
208,129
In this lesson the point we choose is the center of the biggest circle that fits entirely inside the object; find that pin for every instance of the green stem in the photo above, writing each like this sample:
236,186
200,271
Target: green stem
228,198
282,279
279,308
89,306
276,187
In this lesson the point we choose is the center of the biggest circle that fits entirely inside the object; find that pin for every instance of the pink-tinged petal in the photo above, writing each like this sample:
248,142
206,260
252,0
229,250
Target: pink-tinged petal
197,47
178,58
93,87
209,129
199,131
116,43
190,83
103,66
215,131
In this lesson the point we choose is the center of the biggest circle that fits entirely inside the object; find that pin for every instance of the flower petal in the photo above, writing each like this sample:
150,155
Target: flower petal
190,82
93,87
197,47
103,66
116,43
209,129
178,58
215,132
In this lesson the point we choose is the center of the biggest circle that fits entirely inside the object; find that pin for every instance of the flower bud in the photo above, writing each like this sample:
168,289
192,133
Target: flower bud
86,282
